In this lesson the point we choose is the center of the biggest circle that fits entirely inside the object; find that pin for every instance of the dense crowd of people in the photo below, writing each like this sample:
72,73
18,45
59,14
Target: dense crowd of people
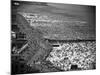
48,18
82,54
